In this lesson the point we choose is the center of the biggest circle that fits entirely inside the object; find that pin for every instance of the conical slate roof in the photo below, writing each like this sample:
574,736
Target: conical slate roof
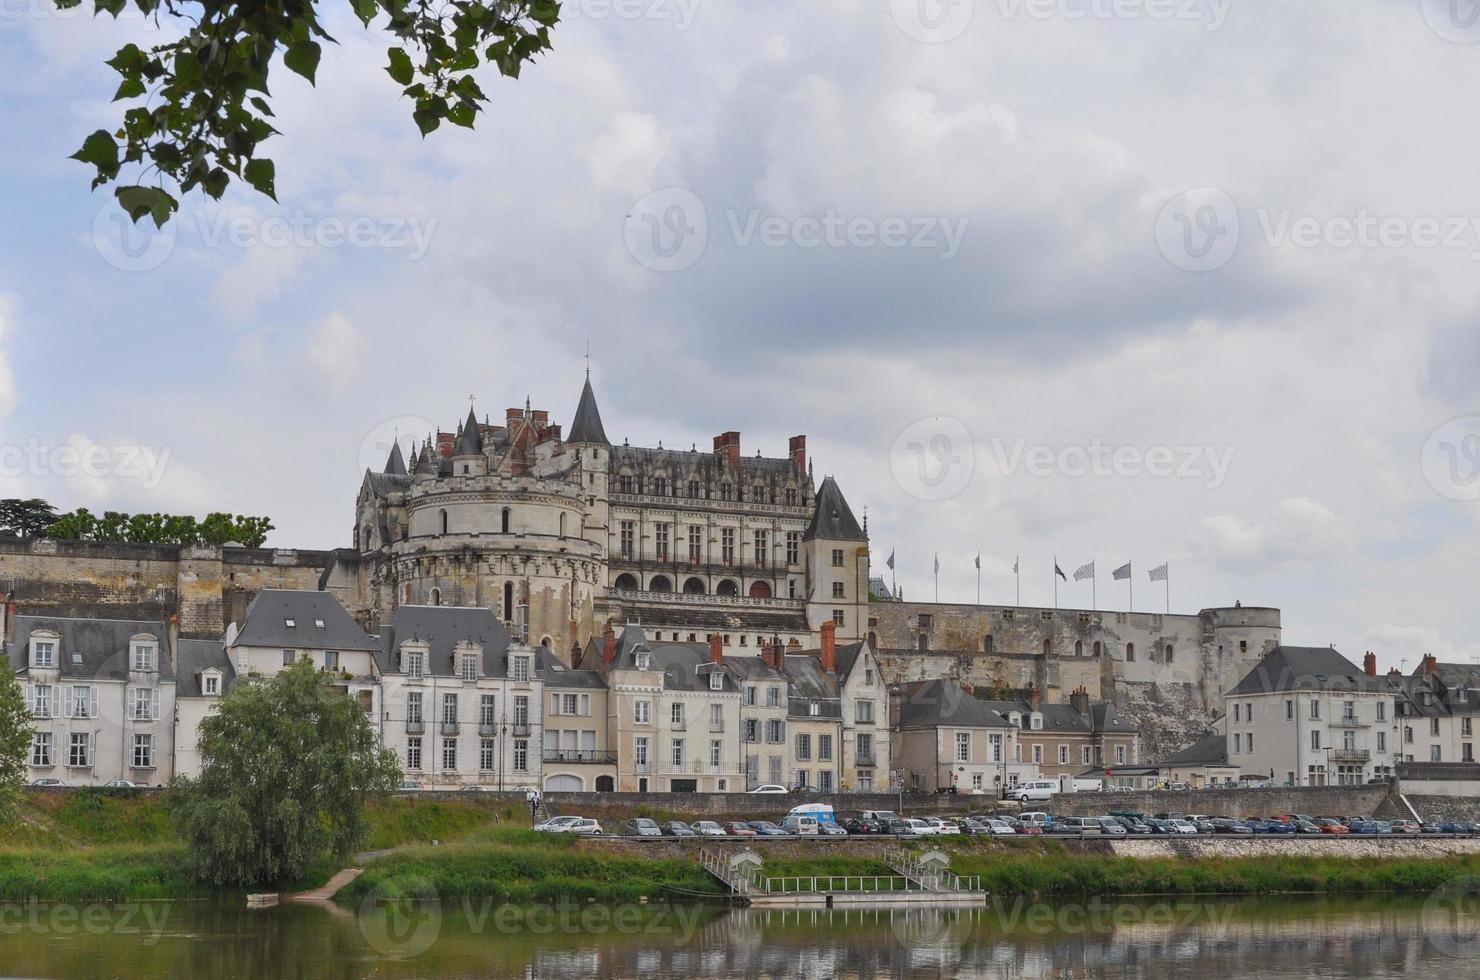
587,425
470,439
395,465
833,520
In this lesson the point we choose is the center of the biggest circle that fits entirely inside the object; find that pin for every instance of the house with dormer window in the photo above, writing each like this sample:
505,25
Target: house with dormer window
101,694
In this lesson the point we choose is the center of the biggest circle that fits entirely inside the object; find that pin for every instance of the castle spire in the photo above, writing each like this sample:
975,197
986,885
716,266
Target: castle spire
587,425
395,464
470,439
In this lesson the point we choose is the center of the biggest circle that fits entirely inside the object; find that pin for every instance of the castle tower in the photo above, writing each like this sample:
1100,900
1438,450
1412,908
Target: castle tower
588,439
837,565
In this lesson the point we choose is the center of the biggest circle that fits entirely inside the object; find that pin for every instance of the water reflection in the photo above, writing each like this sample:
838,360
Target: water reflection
1289,937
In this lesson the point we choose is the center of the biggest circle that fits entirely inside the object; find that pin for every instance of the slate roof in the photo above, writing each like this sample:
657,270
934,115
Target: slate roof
847,654
553,671
685,666
265,624
587,425
1064,717
931,704
808,683
442,628
384,483
1210,750
469,437
1305,669
94,649
198,655
831,518
395,464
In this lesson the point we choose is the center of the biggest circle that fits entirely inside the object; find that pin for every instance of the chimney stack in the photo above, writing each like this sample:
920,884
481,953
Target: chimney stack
1369,664
830,647
716,648
1035,696
727,444
798,447
7,618
609,645
773,653
1430,664
575,655
1080,700
175,636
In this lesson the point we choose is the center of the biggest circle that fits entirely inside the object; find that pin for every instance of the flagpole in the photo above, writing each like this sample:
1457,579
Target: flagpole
1056,581
1094,587
978,578
1017,572
1168,581
937,576
1131,581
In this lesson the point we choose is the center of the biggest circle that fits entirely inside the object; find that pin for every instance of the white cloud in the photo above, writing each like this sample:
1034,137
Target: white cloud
336,352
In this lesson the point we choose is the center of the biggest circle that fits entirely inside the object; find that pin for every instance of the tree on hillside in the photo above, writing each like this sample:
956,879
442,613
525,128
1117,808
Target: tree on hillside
199,98
15,740
287,765
25,518
217,528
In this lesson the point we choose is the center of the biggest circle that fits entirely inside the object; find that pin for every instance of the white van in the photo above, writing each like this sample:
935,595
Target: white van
1037,791
801,824
822,812
1036,817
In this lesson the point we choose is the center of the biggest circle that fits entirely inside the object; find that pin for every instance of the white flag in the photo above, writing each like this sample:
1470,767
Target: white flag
1123,572
1159,574
937,564
1084,571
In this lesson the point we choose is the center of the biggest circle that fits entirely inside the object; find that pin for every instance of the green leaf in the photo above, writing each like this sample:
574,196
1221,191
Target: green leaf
215,182
303,57
365,10
101,151
130,88
400,68
462,114
138,201
261,174
261,105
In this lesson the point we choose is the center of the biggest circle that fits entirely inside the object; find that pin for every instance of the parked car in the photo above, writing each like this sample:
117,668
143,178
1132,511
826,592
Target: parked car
1407,827
1060,827
1133,825
642,827
943,826
121,784
1110,826
677,828
1182,827
996,826
972,827
865,825
882,817
1329,825
912,828
47,781
411,786
736,828
1227,825
770,788
1446,827
708,828
765,828
801,824
584,826
1037,791
555,825
1369,827
1086,825
1035,817
831,830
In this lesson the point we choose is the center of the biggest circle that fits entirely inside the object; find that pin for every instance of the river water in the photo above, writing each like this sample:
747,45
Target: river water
1433,936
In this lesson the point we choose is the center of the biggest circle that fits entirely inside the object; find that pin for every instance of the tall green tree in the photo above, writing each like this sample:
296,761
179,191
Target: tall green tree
15,740
25,518
287,765
198,102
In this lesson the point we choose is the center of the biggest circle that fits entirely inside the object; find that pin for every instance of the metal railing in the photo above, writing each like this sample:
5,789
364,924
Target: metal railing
581,756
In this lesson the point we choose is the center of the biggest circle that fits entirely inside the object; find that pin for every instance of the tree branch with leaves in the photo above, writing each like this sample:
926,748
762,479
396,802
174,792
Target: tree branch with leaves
200,105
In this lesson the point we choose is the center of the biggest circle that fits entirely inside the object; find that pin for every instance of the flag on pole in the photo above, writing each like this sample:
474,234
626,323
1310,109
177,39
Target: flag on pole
937,564
1159,574
1059,572
1084,571
1123,572
890,562
1014,566
978,561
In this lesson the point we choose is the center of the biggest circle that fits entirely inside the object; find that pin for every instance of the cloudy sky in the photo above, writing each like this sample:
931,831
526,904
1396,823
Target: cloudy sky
1191,281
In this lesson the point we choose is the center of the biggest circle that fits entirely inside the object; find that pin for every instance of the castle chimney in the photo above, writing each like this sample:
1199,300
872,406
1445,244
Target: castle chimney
175,636
1430,664
727,444
1035,696
830,647
716,648
1369,664
575,655
609,645
798,447
1080,700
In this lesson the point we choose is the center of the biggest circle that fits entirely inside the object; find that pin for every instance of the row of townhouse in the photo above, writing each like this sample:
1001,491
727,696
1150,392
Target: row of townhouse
950,740
460,703
1308,716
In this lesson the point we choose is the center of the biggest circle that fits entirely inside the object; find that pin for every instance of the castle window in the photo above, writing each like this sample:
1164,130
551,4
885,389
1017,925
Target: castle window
562,525
436,597
1096,648
694,488
624,483
505,520
1130,653
1078,648
1047,647
508,601
1169,653
791,496
660,487
444,521
725,491
989,645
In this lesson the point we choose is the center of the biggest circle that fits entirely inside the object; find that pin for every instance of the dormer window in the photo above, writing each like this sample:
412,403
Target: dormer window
318,624
1462,695
210,684
44,653
291,623
644,661
716,682
469,667
1036,722
813,708
519,668
414,664
143,657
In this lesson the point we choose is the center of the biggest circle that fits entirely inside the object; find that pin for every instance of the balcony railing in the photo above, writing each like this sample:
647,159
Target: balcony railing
687,599
798,510
1349,723
1350,755
716,726
520,728
488,729
865,759
581,757
642,768
448,727
699,769
415,727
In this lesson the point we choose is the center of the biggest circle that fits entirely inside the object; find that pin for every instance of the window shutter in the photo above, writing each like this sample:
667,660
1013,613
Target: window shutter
56,707
71,700
92,705
154,705
30,697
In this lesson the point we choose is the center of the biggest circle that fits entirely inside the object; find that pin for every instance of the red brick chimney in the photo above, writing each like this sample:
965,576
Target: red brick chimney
773,655
798,447
716,648
1080,700
1369,664
609,645
727,444
1430,664
830,647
